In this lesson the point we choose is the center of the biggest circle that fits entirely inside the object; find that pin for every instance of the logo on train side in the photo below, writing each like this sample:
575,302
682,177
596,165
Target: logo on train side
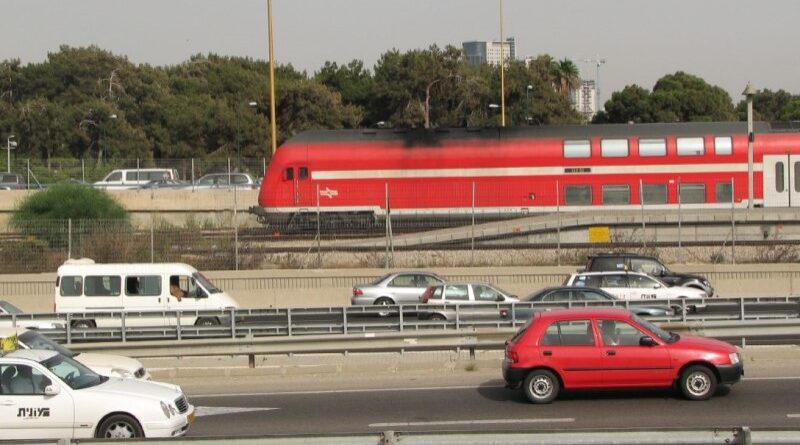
32,413
329,192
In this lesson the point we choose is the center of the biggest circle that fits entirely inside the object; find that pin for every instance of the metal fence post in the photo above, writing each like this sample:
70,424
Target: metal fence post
558,224
319,234
472,257
644,228
69,238
680,223
192,172
733,226
152,243
83,171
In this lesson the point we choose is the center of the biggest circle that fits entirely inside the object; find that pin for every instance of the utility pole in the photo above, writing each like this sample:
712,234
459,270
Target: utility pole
597,61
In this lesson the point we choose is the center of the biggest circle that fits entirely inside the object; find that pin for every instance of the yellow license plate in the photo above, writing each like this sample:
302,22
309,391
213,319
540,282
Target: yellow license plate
190,418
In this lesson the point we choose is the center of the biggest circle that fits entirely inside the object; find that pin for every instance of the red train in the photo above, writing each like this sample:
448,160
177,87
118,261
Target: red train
347,174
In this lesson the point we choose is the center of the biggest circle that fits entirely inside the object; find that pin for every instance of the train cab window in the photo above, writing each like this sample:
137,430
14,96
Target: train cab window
652,147
616,194
723,146
288,174
692,193
302,173
723,192
779,185
577,149
614,148
654,193
691,147
578,195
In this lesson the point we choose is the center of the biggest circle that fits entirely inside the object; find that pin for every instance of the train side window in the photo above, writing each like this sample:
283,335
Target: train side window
797,176
724,192
302,173
692,193
288,174
691,146
577,149
723,146
652,147
614,148
779,185
578,195
654,193
616,194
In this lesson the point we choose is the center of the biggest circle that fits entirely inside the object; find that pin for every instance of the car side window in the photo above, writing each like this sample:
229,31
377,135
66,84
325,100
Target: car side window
103,286
569,333
642,281
647,266
437,293
614,280
403,281
590,295
22,380
485,293
116,176
458,292
608,263
71,286
619,333
428,280
558,295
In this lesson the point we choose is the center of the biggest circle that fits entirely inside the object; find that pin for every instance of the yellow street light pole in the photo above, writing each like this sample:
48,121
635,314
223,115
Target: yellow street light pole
502,72
273,126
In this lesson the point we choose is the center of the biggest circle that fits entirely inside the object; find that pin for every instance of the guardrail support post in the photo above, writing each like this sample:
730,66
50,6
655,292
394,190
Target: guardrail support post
289,322
233,323
122,325
68,327
178,329
741,309
387,438
401,309
344,320
742,436
251,360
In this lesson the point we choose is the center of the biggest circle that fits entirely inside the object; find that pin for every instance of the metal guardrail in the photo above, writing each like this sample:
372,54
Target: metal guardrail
708,436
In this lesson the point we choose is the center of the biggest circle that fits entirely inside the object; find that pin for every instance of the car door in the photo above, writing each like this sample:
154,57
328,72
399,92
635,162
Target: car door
26,412
643,287
405,288
626,363
143,293
570,347
616,284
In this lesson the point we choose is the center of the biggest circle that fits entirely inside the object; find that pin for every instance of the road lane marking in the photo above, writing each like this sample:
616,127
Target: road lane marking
770,378
200,411
471,422
345,391
793,416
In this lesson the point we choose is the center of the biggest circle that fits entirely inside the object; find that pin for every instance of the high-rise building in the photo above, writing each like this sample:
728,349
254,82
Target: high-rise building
481,52
584,99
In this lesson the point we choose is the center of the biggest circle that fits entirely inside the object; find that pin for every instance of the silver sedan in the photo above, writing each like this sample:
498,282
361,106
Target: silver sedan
395,288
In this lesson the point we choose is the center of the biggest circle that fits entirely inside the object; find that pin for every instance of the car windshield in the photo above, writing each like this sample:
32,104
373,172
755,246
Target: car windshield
660,333
206,283
35,340
10,308
74,374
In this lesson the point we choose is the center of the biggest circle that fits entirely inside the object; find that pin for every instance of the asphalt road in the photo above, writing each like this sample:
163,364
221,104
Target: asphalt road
758,402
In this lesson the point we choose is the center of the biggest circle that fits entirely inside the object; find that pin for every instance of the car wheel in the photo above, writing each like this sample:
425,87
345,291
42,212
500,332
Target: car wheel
119,426
384,301
698,382
206,322
437,317
541,386
83,324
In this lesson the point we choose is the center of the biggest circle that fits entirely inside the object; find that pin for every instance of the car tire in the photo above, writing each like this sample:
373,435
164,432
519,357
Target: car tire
83,324
437,317
384,301
541,386
698,382
119,426
206,322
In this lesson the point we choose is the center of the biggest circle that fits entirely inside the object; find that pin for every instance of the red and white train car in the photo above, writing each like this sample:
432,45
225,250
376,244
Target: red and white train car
431,173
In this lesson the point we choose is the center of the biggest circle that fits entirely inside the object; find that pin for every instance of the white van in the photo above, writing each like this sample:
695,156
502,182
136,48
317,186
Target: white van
84,286
135,177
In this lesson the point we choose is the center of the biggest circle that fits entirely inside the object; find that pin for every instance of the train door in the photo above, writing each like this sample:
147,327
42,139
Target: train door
303,195
781,180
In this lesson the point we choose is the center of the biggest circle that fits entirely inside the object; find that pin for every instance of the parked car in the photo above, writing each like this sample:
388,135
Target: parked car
395,288
46,395
131,178
104,364
623,261
226,180
12,181
612,348
637,286
8,309
578,296
478,300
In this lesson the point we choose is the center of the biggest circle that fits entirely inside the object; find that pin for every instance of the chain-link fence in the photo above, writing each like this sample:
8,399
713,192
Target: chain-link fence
41,173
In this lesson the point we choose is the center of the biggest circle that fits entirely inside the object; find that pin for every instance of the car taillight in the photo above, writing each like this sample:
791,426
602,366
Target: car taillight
512,355
357,292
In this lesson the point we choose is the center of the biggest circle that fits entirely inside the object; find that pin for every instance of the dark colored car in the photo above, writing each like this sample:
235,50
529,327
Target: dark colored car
579,296
634,262
613,348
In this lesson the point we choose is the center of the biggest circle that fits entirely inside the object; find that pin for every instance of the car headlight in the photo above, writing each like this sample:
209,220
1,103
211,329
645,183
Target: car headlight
734,356
166,409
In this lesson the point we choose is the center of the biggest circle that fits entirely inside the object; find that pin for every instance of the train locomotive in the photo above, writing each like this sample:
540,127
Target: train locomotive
367,175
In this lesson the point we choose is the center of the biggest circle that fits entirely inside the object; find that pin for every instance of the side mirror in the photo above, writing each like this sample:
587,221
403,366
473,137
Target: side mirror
646,341
52,390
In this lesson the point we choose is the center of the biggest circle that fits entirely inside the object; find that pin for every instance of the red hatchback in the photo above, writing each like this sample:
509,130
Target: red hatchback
613,348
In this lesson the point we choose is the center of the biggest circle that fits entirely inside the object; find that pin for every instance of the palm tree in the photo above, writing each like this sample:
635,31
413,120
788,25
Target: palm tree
566,76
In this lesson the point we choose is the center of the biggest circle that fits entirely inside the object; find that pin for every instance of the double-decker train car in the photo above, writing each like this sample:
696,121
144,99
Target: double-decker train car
446,173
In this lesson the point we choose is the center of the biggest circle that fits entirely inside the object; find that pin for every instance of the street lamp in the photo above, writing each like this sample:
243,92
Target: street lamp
10,145
528,107
749,92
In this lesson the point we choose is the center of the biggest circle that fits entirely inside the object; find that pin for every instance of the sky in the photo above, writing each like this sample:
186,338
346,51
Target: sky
726,42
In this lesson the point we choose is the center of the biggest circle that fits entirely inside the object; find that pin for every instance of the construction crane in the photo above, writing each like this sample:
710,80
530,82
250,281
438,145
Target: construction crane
597,61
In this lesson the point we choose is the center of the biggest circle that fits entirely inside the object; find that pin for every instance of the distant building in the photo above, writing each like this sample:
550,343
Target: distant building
584,99
481,52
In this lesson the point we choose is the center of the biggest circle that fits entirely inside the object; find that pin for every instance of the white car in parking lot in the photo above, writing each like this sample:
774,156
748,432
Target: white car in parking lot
635,286
104,364
45,395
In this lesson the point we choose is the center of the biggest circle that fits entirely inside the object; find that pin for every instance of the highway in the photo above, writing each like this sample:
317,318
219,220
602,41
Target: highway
482,403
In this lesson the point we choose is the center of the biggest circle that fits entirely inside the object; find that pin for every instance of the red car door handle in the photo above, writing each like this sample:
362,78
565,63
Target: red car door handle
547,353
611,352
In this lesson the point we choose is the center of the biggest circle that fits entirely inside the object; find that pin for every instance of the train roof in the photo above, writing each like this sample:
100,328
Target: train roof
420,136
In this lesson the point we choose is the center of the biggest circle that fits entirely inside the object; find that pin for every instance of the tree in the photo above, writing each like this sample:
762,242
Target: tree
632,104
566,76
767,105
683,97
